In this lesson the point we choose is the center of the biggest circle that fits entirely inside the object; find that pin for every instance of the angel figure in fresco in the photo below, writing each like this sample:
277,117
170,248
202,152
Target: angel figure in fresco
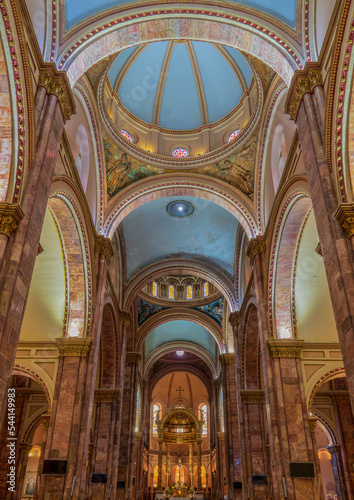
239,176
117,175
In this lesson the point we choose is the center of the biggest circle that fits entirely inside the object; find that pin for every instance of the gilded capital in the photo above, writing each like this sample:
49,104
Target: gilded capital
132,358
345,216
227,358
221,436
104,246
106,395
304,81
10,216
124,318
256,246
312,423
235,318
73,346
57,83
45,420
252,396
285,348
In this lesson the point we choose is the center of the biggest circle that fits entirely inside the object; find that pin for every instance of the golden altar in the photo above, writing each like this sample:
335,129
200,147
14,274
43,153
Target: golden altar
180,490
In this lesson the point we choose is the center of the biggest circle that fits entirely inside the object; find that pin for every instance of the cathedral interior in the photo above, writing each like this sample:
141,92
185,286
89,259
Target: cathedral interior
176,249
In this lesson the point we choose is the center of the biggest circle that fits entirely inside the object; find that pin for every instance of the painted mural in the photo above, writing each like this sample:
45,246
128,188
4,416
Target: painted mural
214,310
237,169
5,127
146,310
121,169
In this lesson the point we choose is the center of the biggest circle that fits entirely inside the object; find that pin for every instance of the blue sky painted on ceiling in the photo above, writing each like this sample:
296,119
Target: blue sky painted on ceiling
180,330
78,10
180,106
151,234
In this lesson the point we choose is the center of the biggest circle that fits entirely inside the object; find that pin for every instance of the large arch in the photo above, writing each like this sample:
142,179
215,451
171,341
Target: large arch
250,37
194,185
189,267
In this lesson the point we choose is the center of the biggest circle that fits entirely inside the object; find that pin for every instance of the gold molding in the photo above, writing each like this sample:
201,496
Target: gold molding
104,246
235,318
256,246
73,346
106,395
10,217
312,423
304,81
221,436
252,396
227,358
124,318
286,348
57,83
345,216
132,358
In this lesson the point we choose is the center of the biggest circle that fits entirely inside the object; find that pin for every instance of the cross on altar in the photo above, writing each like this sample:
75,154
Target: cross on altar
180,390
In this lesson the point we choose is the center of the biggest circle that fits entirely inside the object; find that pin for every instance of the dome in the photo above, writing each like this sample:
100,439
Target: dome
180,85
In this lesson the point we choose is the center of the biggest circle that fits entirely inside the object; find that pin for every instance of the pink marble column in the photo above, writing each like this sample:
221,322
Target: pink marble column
308,109
17,268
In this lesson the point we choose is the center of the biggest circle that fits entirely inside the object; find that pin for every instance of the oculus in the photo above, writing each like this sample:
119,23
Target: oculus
180,153
179,353
234,135
180,208
126,135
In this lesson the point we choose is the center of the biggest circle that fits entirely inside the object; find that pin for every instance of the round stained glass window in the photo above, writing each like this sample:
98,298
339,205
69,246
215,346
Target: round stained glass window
233,135
179,353
126,135
180,153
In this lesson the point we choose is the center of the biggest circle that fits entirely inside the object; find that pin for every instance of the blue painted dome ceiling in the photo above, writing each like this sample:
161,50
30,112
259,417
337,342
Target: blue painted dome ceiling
180,85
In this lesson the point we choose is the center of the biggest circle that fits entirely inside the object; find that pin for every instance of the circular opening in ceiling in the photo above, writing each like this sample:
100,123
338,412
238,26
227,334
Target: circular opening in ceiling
180,208
179,353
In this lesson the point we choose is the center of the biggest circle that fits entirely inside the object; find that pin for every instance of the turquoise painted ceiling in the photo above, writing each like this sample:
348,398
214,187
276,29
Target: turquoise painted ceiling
78,10
151,234
180,86
180,331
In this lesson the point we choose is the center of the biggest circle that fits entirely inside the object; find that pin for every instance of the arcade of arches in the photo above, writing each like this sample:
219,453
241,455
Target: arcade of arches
176,249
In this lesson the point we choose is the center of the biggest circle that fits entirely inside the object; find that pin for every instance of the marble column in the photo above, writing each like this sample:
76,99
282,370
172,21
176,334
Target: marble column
54,102
66,414
159,463
306,105
199,462
232,431
101,460
338,471
22,465
45,421
191,464
286,411
168,458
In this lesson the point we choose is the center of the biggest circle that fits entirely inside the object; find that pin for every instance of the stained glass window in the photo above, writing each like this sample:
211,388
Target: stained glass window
137,415
156,475
233,135
203,416
203,476
180,153
155,416
154,288
171,292
126,135
206,289
189,292
179,353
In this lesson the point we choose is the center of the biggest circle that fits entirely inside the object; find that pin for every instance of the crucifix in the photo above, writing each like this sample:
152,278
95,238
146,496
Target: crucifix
180,390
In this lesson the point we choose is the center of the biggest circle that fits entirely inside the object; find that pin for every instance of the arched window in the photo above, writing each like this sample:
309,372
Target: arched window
203,476
221,410
137,414
203,415
171,292
154,288
155,416
189,292
206,289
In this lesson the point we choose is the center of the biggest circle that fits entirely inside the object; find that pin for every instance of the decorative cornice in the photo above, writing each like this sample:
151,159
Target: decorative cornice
227,358
340,397
345,216
106,395
312,423
304,81
57,83
235,318
73,346
221,436
285,348
10,216
256,246
252,396
124,318
104,246
132,358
